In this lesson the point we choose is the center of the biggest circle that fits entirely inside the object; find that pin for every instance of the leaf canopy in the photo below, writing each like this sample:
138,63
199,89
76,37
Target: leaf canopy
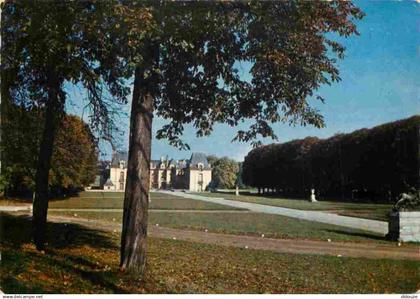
202,45
289,46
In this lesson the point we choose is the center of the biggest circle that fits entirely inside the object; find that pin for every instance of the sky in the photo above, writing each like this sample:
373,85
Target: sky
380,83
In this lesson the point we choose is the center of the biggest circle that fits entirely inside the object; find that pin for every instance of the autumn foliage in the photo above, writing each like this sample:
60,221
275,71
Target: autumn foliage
376,163
75,157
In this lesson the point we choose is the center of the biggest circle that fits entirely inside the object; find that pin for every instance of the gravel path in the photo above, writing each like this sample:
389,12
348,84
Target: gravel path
15,208
376,226
348,249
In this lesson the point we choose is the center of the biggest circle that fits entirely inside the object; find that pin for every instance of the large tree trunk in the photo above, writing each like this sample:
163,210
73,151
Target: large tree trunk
136,200
53,115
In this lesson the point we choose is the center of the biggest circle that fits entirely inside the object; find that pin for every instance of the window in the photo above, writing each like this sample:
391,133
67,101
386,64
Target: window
200,182
122,176
121,186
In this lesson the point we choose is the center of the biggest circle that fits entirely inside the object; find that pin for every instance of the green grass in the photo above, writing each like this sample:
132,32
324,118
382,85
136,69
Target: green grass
87,262
274,226
115,200
361,210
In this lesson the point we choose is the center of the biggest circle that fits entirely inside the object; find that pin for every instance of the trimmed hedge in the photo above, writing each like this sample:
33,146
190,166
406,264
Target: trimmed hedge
377,163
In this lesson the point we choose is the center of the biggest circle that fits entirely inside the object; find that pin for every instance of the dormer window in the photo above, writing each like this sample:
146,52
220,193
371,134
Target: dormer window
122,164
200,166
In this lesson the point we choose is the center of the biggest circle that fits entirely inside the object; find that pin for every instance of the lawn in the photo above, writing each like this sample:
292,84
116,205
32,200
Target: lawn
87,262
274,226
361,210
115,200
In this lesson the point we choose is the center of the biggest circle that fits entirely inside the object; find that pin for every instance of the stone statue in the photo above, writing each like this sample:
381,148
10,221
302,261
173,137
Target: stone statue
313,199
402,199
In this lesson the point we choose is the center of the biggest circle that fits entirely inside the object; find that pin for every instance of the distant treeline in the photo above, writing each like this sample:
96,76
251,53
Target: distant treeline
375,164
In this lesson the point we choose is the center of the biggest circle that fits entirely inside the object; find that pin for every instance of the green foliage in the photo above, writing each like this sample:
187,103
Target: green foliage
74,162
224,172
4,180
380,162
46,45
201,46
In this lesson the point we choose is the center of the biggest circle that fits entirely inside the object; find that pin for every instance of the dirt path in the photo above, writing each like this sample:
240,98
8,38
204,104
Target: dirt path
366,250
15,208
150,210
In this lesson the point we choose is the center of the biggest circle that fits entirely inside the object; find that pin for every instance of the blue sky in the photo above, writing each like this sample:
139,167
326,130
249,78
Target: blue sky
380,83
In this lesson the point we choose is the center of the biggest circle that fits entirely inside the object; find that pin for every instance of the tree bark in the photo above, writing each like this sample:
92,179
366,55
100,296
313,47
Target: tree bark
136,200
53,115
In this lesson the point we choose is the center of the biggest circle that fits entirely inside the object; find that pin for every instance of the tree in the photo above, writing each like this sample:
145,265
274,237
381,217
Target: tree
48,44
344,164
188,73
74,160
21,131
75,156
224,173
212,159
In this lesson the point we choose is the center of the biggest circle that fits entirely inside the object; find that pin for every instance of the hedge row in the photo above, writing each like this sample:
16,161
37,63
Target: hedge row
378,163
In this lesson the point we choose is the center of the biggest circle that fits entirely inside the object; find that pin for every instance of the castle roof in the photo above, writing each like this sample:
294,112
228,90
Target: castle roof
199,158
117,157
193,162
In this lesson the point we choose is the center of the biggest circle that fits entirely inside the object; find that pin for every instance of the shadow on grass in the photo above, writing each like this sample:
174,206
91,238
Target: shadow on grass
17,200
357,234
17,229
13,285
28,198
82,266
94,274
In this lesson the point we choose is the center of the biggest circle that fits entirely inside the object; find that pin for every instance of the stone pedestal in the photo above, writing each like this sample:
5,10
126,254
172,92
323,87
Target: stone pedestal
404,226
